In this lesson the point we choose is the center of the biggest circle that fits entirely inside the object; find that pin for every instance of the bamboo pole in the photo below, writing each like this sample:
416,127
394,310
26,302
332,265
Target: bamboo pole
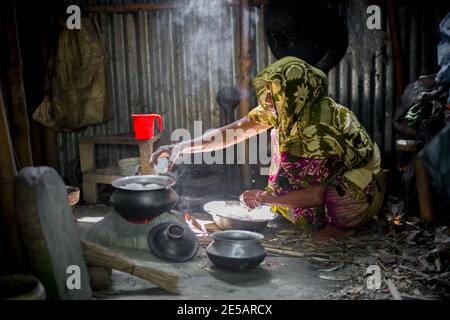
18,108
245,64
396,46
7,172
423,183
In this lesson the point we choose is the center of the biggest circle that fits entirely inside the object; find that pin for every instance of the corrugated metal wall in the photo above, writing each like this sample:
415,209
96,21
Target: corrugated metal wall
153,70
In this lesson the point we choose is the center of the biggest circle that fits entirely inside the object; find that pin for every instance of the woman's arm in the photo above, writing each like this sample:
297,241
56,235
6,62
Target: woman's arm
238,131
307,197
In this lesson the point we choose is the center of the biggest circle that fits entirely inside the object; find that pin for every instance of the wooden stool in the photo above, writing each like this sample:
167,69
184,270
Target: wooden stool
423,181
93,176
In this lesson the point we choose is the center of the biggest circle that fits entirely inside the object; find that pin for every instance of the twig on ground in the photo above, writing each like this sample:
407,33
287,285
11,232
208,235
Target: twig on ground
393,289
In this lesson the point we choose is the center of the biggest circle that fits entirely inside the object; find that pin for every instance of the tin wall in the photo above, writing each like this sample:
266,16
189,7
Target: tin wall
155,69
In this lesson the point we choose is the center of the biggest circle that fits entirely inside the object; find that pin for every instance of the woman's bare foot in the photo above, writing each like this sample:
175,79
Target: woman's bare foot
332,233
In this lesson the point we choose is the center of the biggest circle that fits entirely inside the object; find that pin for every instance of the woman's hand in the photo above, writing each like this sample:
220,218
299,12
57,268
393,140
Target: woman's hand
162,151
173,152
425,96
253,198
307,197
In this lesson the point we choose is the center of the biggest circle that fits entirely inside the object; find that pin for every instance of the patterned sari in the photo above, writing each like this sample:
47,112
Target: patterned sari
316,142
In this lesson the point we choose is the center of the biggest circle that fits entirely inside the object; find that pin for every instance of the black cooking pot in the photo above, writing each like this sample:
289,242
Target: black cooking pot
236,250
143,203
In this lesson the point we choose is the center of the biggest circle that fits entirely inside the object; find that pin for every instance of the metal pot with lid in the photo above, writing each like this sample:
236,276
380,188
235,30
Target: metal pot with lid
143,197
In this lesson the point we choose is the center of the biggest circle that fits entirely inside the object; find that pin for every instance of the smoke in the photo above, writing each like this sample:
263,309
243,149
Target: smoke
207,31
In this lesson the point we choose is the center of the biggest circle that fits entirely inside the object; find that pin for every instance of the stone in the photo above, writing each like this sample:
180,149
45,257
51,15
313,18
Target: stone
50,235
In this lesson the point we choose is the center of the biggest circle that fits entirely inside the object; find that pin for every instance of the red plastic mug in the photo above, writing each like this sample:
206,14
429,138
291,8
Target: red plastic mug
143,125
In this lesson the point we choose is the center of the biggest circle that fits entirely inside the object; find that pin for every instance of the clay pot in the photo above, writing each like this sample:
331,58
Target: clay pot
236,250
173,242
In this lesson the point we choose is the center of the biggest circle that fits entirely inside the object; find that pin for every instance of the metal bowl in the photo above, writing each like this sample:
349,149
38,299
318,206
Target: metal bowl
221,212
226,223
236,250
163,181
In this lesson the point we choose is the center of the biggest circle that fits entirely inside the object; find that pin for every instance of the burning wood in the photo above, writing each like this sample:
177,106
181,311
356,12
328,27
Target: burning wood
194,225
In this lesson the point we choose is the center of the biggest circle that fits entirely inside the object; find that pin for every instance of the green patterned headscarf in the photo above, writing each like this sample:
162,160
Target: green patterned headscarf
309,123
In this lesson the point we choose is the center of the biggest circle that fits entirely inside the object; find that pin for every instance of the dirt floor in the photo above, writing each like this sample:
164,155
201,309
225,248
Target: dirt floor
414,264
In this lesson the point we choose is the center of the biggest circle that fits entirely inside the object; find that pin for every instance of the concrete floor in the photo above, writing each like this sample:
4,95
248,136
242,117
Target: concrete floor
277,277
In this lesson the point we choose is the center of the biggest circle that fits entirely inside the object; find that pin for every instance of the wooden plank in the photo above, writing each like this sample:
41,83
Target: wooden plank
145,152
97,176
423,183
87,156
90,193
87,163
116,139
108,171
18,108
92,178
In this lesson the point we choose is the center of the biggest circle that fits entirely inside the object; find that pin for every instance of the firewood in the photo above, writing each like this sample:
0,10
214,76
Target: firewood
289,253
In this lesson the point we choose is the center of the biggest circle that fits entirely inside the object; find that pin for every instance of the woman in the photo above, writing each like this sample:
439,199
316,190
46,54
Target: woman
325,169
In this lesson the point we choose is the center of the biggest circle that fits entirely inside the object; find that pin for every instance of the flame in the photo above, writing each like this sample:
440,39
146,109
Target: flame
194,225
140,221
